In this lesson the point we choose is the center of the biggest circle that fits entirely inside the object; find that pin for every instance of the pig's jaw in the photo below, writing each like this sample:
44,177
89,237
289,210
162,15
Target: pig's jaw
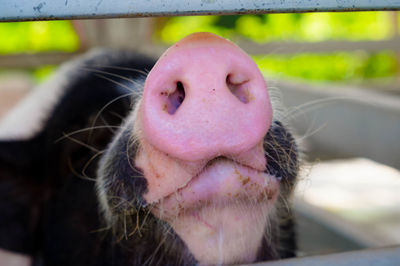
223,213
220,209
224,234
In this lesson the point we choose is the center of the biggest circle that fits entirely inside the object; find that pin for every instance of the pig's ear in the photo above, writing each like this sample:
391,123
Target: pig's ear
19,197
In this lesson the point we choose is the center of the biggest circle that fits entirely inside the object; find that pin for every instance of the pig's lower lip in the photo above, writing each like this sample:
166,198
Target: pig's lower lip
221,181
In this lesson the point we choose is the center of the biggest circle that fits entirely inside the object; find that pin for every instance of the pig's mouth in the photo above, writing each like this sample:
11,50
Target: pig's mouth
222,212
221,182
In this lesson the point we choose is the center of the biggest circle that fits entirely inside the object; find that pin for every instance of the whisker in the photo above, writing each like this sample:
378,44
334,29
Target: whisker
309,106
117,115
74,172
151,258
105,122
83,130
128,154
105,106
111,74
137,226
115,82
143,72
89,161
82,143
310,132
102,229
148,212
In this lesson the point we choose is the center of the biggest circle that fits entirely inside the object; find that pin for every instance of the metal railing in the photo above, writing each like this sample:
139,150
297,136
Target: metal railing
383,257
22,10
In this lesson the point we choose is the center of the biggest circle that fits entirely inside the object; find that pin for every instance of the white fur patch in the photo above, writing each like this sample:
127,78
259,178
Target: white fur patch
26,119
14,259
28,116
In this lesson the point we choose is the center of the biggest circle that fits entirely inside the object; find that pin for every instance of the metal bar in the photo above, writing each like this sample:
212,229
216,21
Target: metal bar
21,10
334,223
382,257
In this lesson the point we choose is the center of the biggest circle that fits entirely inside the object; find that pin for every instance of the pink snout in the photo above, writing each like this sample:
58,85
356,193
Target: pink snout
205,98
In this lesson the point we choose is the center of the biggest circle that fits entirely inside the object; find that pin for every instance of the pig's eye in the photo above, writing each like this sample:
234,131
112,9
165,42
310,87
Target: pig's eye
176,98
239,88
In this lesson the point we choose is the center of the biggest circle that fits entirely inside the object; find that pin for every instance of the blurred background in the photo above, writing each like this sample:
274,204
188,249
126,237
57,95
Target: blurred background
337,74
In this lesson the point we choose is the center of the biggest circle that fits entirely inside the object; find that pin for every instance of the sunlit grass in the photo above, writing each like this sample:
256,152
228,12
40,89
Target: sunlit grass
310,27
37,36
340,66
42,73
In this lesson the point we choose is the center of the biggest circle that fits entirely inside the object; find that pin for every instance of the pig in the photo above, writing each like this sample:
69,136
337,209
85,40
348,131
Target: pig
121,160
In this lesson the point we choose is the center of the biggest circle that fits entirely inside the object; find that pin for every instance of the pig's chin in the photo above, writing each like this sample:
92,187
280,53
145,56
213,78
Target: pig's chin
222,213
220,208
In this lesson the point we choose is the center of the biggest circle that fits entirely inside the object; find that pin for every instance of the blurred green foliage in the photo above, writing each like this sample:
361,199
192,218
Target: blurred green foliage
340,66
42,73
37,36
312,27
308,27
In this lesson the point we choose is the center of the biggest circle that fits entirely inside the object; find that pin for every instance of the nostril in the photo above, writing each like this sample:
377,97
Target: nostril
239,88
174,100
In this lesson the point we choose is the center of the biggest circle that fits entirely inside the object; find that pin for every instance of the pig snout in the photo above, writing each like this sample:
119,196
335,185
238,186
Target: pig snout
203,117
205,97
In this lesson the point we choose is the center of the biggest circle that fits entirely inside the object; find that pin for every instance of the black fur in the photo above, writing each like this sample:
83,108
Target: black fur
48,203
